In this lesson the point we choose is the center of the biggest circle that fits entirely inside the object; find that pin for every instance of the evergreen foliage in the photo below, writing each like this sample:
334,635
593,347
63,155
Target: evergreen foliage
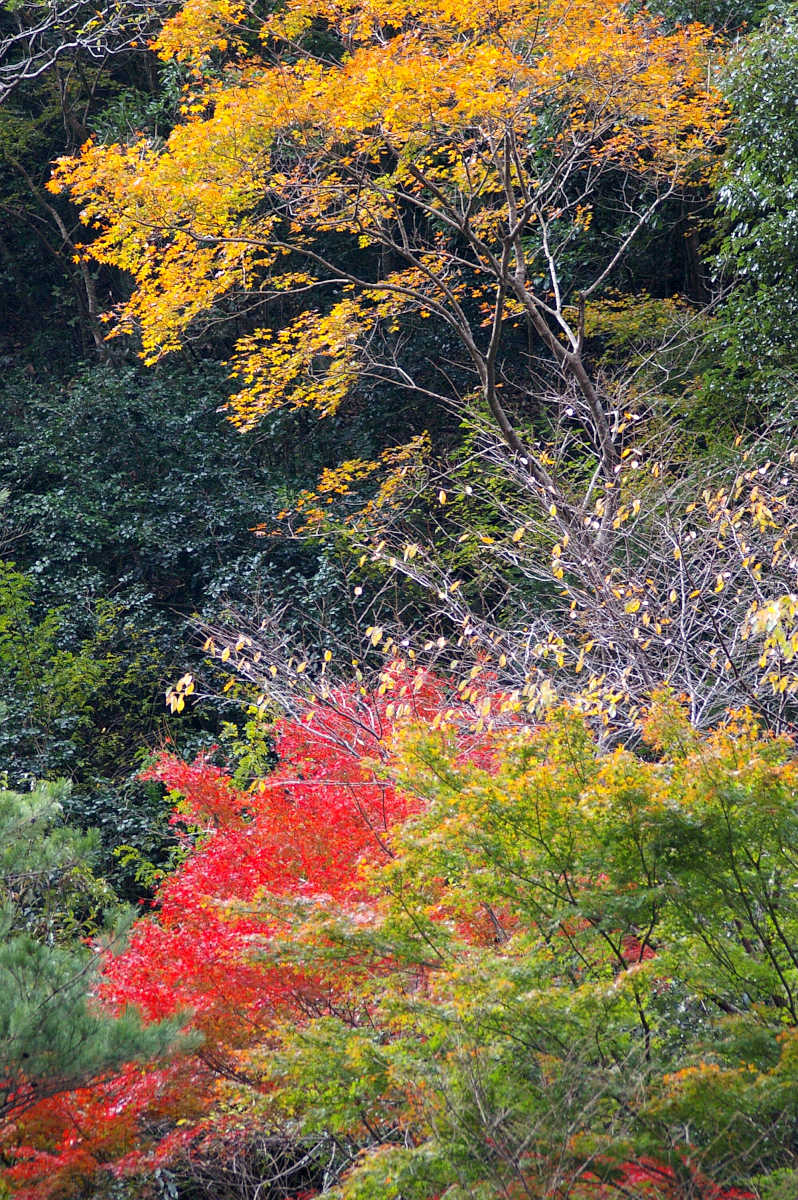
52,1037
757,189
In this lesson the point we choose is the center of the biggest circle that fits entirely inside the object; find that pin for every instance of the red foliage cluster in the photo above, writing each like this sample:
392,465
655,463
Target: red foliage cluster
67,1138
650,1180
299,836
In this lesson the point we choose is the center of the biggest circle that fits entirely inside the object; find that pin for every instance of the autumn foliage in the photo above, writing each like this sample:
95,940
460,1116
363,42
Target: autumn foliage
349,179
460,939
476,119
442,961
300,837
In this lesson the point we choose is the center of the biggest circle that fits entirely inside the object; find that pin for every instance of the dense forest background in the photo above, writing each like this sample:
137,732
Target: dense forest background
155,550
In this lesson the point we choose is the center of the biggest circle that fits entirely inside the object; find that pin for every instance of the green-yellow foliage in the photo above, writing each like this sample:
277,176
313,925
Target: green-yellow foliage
578,959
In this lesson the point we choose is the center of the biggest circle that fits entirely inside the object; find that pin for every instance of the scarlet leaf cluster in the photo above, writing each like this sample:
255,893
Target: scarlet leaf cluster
255,860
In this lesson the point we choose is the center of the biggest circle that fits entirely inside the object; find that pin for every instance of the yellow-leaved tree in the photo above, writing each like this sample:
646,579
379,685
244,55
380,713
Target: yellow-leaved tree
381,158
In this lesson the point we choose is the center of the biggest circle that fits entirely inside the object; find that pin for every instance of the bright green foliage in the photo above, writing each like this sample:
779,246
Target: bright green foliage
78,693
593,962
72,705
576,960
51,1037
557,971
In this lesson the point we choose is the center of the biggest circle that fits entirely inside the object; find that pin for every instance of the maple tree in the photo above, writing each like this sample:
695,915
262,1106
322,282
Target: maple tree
458,154
437,951
297,837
